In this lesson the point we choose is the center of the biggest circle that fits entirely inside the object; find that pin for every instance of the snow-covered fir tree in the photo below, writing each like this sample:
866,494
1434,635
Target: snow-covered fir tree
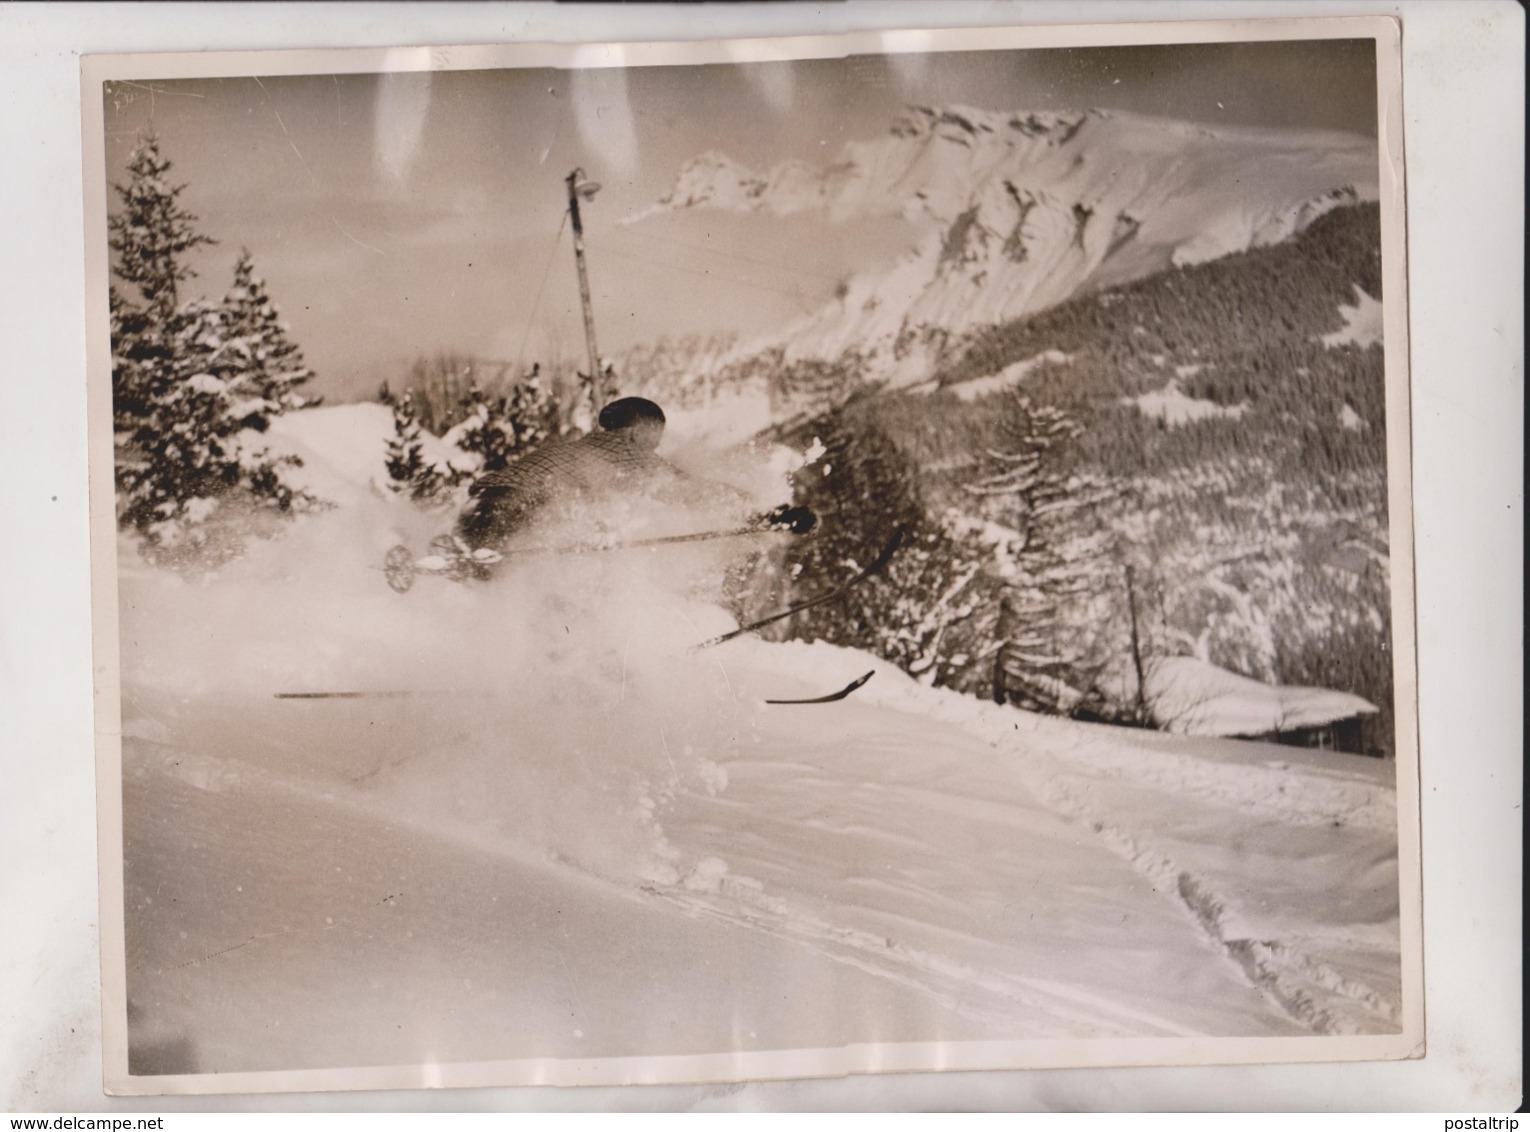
487,433
273,363
932,610
1063,575
494,431
934,615
191,395
410,471
151,232
1008,581
140,361
192,476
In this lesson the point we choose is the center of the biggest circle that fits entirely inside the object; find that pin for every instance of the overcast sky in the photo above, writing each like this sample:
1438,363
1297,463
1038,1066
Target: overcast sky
402,214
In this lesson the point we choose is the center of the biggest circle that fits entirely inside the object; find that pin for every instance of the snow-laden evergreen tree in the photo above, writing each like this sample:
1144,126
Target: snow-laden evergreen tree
151,232
410,471
140,361
494,431
273,363
1063,578
531,411
931,612
190,398
192,476
486,432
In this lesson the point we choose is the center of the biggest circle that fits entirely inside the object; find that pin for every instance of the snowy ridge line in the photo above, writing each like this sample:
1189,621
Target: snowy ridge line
885,958
1281,971
998,198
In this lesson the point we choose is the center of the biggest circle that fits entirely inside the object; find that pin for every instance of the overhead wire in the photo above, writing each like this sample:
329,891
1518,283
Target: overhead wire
702,273
531,319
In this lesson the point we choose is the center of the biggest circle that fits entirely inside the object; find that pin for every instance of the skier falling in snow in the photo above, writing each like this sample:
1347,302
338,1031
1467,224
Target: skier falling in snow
569,480
565,478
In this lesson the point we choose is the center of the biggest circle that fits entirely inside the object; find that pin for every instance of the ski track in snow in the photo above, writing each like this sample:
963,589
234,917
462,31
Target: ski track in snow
1282,969
1038,878
739,901
1312,992
1062,764
950,981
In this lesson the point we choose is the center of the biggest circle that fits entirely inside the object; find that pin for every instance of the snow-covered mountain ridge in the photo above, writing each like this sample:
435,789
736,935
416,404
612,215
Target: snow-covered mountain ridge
1016,212
911,171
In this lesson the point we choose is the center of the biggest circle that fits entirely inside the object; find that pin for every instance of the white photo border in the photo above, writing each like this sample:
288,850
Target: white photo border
737,1066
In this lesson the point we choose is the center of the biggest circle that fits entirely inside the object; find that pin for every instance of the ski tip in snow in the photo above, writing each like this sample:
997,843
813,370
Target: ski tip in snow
832,696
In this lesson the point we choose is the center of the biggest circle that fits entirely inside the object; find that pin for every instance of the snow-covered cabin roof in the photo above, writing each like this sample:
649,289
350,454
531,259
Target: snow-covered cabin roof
1191,697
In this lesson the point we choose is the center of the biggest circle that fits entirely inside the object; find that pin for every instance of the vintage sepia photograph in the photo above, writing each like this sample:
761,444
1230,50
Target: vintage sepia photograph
753,559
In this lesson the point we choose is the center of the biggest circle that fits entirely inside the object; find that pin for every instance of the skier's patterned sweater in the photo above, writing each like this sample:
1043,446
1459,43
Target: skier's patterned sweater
567,474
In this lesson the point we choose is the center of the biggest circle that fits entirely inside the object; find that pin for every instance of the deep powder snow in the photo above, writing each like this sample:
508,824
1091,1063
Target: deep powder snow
577,837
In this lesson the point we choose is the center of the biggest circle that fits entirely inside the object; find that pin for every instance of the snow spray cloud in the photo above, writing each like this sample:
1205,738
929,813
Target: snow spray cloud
550,713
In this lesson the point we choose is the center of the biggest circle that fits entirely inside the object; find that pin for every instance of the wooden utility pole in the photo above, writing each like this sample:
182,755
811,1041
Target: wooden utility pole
1131,606
579,187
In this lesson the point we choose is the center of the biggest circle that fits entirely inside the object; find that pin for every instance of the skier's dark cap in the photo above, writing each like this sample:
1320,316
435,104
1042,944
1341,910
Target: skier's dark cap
627,412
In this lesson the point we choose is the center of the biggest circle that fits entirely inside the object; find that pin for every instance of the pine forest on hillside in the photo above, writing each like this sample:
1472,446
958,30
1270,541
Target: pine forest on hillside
1250,530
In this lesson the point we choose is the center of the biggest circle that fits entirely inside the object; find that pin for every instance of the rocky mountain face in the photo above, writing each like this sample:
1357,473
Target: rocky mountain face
1017,212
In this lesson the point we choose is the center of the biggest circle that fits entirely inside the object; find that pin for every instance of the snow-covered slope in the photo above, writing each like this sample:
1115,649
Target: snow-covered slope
650,861
1023,211
576,839
343,448
550,830
1191,697
1362,323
